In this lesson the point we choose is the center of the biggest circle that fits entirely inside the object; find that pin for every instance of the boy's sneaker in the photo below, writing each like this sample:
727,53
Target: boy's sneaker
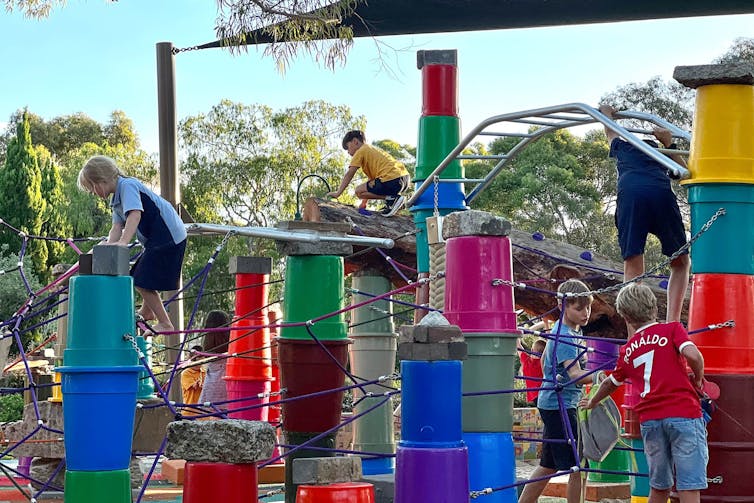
392,205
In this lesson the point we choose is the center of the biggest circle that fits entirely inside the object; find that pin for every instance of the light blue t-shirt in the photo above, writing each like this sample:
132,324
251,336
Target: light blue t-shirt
159,225
571,394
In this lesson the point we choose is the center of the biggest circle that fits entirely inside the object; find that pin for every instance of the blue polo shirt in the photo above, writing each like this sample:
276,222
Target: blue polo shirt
636,170
159,225
548,399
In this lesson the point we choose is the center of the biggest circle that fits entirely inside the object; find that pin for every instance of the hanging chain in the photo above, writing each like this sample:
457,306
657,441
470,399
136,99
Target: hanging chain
720,212
437,195
130,338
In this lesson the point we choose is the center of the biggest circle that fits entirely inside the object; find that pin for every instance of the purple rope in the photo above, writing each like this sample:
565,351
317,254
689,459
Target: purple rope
387,258
369,455
152,468
49,480
396,301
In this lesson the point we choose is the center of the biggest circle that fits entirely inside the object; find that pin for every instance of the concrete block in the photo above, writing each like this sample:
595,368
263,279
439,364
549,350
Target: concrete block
326,470
412,333
51,414
474,223
250,265
436,57
437,351
150,426
222,441
705,75
320,248
85,264
450,333
110,260
384,487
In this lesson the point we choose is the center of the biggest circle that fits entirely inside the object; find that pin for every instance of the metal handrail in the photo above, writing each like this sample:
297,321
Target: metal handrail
589,115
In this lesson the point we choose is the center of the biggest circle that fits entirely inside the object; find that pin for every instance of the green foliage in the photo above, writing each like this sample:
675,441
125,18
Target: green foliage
669,100
741,50
11,407
13,293
403,153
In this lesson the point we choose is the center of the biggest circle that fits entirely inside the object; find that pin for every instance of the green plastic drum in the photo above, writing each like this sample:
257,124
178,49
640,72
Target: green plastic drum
146,386
438,136
728,245
100,313
374,431
489,367
314,287
616,461
97,487
373,318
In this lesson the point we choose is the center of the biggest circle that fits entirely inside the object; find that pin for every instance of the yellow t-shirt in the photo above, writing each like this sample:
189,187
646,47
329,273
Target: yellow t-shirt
192,380
376,163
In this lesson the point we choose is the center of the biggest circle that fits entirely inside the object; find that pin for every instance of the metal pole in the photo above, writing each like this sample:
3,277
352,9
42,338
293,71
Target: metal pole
169,188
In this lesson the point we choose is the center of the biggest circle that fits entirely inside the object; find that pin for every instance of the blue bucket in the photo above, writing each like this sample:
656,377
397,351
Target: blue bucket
492,463
377,466
639,485
98,416
431,404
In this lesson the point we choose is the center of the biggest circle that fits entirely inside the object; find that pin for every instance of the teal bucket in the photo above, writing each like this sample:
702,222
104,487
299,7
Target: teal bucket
728,245
100,313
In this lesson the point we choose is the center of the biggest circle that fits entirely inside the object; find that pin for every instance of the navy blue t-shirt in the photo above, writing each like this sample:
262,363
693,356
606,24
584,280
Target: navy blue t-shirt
636,169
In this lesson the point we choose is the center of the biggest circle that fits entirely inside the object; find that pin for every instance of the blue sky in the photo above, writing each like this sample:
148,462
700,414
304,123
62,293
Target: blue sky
94,57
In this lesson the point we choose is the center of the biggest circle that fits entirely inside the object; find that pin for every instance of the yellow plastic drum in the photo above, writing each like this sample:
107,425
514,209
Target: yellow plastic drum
57,392
722,146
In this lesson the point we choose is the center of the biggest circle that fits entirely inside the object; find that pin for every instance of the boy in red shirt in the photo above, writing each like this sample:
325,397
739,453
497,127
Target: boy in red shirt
531,366
674,434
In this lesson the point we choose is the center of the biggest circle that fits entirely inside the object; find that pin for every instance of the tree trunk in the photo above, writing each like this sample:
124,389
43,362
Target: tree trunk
540,263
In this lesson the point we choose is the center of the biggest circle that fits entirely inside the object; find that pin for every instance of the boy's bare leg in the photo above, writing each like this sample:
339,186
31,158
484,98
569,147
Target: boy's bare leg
533,490
688,496
658,496
677,285
633,266
153,302
573,491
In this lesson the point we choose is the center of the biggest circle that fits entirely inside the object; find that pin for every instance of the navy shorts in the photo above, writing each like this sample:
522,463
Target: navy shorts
558,455
159,268
389,188
646,210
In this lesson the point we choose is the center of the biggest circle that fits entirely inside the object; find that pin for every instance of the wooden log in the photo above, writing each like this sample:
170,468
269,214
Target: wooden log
541,263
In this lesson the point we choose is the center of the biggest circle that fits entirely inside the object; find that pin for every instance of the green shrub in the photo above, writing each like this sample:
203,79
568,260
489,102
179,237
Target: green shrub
11,407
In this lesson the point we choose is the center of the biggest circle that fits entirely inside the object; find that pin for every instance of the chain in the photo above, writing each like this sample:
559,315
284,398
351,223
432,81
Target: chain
483,492
437,195
130,338
720,212
185,49
225,240
725,324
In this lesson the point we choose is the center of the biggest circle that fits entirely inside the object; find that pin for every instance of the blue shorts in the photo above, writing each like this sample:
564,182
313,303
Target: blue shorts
679,445
159,267
648,210
558,455
389,188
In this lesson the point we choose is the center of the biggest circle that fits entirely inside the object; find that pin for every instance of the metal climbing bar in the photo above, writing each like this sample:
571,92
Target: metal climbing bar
551,119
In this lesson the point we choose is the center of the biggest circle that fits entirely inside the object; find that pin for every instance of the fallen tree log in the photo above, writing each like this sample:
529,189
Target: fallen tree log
540,262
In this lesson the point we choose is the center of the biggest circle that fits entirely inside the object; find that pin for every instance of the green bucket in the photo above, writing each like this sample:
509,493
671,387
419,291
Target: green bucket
370,319
95,487
616,461
313,287
374,431
728,245
438,136
489,366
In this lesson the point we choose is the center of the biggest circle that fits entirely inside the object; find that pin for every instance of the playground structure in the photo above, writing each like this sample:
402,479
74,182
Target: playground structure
454,414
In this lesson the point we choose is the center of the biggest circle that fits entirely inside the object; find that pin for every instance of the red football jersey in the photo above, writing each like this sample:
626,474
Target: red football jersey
531,367
652,360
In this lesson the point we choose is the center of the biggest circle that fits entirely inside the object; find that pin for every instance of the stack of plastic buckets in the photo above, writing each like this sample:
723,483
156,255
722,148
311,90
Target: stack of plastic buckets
372,356
602,357
432,460
487,317
722,260
439,134
249,374
313,287
100,381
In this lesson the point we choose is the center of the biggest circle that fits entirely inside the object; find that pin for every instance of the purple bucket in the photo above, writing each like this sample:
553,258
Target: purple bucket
436,475
604,355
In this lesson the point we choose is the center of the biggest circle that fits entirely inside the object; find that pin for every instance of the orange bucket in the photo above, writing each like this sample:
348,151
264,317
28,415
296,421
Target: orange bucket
349,492
716,298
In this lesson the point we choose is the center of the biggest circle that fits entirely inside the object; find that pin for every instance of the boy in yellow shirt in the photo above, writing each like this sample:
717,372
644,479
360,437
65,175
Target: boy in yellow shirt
387,177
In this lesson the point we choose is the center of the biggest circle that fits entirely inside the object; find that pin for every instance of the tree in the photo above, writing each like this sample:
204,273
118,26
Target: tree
669,100
33,8
55,222
403,153
742,49
120,131
22,204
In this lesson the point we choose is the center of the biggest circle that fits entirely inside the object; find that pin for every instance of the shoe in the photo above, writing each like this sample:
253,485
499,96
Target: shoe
392,205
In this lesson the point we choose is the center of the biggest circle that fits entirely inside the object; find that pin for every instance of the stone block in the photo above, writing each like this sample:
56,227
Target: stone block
705,75
42,469
250,265
436,351
326,470
85,264
222,441
384,487
320,248
474,223
450,333
51,414
150,425
110,260
436,57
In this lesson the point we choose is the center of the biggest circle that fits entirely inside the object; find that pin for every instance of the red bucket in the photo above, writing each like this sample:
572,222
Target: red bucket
243,388
716,298
305,368
631,424
349,492
254,360
224,482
